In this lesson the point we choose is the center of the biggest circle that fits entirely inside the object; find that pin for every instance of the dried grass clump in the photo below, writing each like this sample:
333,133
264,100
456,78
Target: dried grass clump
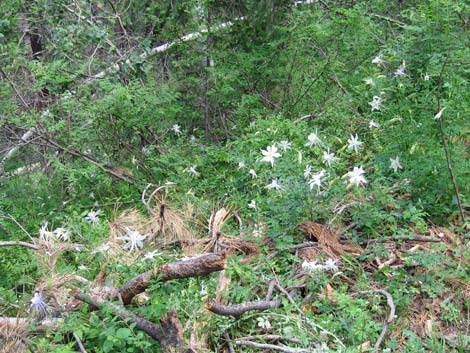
12,345
167,225
13,332
55,291
49,251
218,241
128,220
328,242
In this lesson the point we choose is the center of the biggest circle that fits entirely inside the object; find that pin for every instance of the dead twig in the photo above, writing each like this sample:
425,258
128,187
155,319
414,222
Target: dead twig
229,343
79,343
270,347
19,243
391,315
275,338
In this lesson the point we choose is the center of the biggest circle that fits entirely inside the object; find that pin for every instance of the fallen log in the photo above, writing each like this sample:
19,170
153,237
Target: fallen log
200,265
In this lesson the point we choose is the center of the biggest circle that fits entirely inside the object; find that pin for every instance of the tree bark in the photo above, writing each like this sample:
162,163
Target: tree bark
169,333
199,265
236,310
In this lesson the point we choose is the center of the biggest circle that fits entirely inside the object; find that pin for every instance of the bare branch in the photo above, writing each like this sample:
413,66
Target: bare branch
168,333
391,316
200,265
19,243
79,343
237,310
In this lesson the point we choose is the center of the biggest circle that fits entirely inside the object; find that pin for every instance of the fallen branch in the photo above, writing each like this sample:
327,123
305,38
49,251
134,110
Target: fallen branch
236,310
19,243
270,346
229,343
161,48
169,332
200,265
391,315
24,140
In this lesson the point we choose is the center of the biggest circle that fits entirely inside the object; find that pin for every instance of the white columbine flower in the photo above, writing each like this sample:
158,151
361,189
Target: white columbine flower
329,158
316,180
146,151
369,82
426,77
270,154
252,173
192,170
274,185
331,265
312,267
307,171
102,248
176,129
313,139
134,239
439,115
252,204
376,103
395,164
401,71
378,60
241,165
354,143
44,233
62,233
151,255
203,290
263,323
37,303
92,216
373,124
284,145
356,176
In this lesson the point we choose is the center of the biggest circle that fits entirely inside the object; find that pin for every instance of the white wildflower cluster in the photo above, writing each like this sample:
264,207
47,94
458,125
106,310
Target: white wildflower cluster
150,256
102,248
376,103
356,176
314,267
134,240
59,234
316,180
92,217
314,140
270,153
263,322
176,129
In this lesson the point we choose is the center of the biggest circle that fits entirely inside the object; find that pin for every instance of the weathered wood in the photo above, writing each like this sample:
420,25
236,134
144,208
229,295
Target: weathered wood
169,332
199,265
237,310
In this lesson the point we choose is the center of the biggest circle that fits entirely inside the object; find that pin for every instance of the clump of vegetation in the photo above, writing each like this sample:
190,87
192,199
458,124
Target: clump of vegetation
265,175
